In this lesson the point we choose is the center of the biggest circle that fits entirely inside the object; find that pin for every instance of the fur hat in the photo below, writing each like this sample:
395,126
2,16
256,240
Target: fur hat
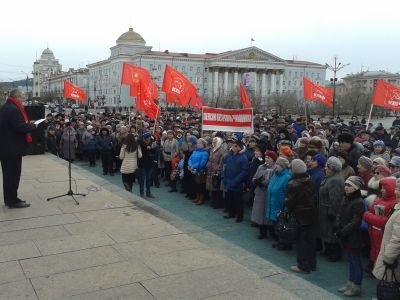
346,137
283,162
379,161
334,164
298,166
315,142
355,181
203,141
366,162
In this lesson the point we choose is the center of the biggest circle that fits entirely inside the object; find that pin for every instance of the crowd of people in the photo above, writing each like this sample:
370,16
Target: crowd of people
334,183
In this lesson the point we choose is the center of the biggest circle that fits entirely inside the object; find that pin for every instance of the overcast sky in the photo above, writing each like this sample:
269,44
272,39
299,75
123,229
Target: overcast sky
365,34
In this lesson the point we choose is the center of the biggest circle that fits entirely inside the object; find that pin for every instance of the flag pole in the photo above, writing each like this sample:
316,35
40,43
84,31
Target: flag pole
305,112
155,122
369,117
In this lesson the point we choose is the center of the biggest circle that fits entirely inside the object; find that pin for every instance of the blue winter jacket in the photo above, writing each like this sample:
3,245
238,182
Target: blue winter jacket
317,175
276,192
104,144
198,160
235,169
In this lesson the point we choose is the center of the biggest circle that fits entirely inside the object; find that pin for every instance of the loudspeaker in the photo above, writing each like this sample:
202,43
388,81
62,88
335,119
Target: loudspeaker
36,112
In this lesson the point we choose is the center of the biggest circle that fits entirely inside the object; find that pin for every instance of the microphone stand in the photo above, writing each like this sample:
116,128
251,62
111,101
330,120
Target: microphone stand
70,192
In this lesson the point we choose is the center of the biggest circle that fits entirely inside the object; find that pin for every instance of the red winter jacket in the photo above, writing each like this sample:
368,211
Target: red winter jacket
376,223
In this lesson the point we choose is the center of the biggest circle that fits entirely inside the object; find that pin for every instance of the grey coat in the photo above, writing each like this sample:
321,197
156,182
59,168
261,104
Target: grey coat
330,198
258,211
68,145
214,167
390,248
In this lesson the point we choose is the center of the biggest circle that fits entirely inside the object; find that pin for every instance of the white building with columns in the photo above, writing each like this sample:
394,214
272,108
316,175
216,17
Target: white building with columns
215,75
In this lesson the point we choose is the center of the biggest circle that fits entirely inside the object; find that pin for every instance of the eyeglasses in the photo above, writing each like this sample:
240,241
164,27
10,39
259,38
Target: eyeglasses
377,173
392,166
347,185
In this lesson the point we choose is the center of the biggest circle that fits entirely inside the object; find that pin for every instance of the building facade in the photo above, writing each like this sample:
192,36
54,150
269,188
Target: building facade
216,75
79,78
364,82
43,69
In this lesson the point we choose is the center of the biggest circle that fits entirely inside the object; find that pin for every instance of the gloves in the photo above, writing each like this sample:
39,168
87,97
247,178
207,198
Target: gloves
390,265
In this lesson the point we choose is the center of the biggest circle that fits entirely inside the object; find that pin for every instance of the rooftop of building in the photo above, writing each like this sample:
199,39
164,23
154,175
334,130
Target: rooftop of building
372,74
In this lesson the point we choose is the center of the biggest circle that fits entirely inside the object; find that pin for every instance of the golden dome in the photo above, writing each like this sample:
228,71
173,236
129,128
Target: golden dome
131,36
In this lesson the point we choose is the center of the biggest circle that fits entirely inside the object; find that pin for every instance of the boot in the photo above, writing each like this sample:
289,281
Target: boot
201,200
355,290
348,286
127,187
195,200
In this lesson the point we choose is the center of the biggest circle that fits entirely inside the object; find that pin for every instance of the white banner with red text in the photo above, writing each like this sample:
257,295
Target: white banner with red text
231,120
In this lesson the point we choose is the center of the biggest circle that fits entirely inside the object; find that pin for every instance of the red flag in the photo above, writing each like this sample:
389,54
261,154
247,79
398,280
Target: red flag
131,75
154,90
318,93
244,97
171,99
386,95
146,102
177,85
73,92
196,102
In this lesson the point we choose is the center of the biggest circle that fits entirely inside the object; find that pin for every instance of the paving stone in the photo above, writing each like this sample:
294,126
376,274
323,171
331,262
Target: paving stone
18,251
37,222
33,211
183,261
272,292
204,283
127,292
10,271
164,244
18,290
77,282
69,261
12,237
74,243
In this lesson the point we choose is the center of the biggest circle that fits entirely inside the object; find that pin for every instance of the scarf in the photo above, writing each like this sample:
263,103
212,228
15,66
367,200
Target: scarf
28,136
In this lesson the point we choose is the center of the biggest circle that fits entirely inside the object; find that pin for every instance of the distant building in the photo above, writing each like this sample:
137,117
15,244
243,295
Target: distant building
43,69
79,78
216,75
364,82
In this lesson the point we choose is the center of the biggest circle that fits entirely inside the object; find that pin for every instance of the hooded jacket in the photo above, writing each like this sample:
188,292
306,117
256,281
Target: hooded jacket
376,222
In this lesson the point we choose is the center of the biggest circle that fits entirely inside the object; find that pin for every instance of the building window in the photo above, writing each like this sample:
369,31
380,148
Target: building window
190,68
190,78
290,83
159,67
284,82
198,69
205,69
295,74
183,68
290,73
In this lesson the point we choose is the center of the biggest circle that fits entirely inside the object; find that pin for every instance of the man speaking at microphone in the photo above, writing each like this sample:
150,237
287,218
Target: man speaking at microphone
15,137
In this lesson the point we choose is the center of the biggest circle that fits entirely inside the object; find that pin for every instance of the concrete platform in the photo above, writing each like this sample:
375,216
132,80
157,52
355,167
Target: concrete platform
116,245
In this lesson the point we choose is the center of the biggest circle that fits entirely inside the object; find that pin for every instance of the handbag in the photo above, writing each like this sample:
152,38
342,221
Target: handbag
200,178
388,290
216,181
286,227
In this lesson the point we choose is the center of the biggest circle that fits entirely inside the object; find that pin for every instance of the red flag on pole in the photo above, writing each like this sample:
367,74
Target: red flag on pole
145,101
171,99
243,96
318,93
386,95
73,92
196,102
154,91
177,85
131,75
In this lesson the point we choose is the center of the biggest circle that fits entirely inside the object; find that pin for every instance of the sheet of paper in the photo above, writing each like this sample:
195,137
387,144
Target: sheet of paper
37,122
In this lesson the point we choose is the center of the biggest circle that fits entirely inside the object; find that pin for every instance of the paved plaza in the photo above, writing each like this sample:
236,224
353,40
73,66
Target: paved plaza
115,245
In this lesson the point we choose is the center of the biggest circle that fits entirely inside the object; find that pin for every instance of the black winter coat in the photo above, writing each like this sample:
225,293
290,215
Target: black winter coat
300,199
13,132
349,221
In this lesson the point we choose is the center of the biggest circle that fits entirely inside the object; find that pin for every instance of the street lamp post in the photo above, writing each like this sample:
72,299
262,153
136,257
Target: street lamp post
335,68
